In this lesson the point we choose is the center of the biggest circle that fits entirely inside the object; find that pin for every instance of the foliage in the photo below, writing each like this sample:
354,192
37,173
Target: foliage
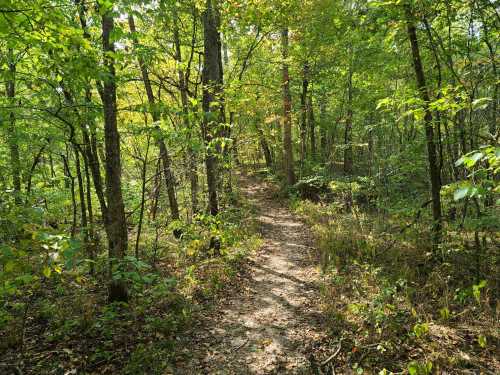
121,142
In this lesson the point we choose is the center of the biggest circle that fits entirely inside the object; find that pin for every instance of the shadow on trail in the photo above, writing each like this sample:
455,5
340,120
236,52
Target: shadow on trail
306,284
269,324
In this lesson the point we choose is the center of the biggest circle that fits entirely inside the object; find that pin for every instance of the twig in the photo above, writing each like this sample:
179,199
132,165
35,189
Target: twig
329,359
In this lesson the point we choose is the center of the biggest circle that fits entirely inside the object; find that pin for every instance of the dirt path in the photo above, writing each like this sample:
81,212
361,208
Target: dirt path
270,324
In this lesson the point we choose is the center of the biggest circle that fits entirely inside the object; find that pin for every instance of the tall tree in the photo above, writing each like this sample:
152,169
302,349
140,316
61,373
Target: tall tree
312,125
348,120
287,112
304,114
115,223
212,97
432,157
15,162
183,90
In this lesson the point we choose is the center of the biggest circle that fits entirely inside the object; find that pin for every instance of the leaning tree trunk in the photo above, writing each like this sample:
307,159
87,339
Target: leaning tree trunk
287,113
429,129
212,91
164,154
115,223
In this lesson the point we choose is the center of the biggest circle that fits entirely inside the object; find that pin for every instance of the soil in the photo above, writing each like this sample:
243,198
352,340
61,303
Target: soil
271,323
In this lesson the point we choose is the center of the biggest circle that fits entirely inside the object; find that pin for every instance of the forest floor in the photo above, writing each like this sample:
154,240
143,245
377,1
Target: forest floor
271,322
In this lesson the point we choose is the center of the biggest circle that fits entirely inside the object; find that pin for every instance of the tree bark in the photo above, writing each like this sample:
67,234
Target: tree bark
265,147
429,128
312,126
322,127
90,152
71,185
89,136
287,113
15,162
348,125
92,244
81,194
115,223
183,89
144,169
36,160
303,117
212,91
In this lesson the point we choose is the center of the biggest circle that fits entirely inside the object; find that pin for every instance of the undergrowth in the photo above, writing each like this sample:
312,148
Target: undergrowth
394,307
59,321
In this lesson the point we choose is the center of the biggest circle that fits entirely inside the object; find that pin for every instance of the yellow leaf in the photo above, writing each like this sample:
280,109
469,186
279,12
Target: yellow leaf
47,272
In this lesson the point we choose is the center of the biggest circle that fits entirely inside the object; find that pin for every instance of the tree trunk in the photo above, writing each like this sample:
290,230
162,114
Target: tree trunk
92,244
115,223
348,125
169,177
312,126
164,154
81,194
303,113
234,147
212,91
287,113
91,153
144,170
183,89
265,148
89,136
322,127
429,129
15,162
155,192
71,184
36,160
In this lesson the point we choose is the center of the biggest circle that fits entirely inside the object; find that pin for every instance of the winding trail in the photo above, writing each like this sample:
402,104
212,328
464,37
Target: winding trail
271,323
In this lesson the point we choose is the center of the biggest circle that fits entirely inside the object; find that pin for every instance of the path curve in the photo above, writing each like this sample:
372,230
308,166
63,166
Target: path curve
271,323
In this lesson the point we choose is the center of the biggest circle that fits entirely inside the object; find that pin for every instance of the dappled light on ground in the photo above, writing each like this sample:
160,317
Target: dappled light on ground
269,324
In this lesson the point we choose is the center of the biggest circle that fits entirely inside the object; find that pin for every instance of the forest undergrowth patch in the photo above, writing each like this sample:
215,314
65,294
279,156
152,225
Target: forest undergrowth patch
59,322
392,304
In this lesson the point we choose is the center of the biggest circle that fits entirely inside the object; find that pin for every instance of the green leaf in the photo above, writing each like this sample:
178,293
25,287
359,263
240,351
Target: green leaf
420,329
472,160
9,266
413,368
47,272
461,193
476,290
445,313
482,341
